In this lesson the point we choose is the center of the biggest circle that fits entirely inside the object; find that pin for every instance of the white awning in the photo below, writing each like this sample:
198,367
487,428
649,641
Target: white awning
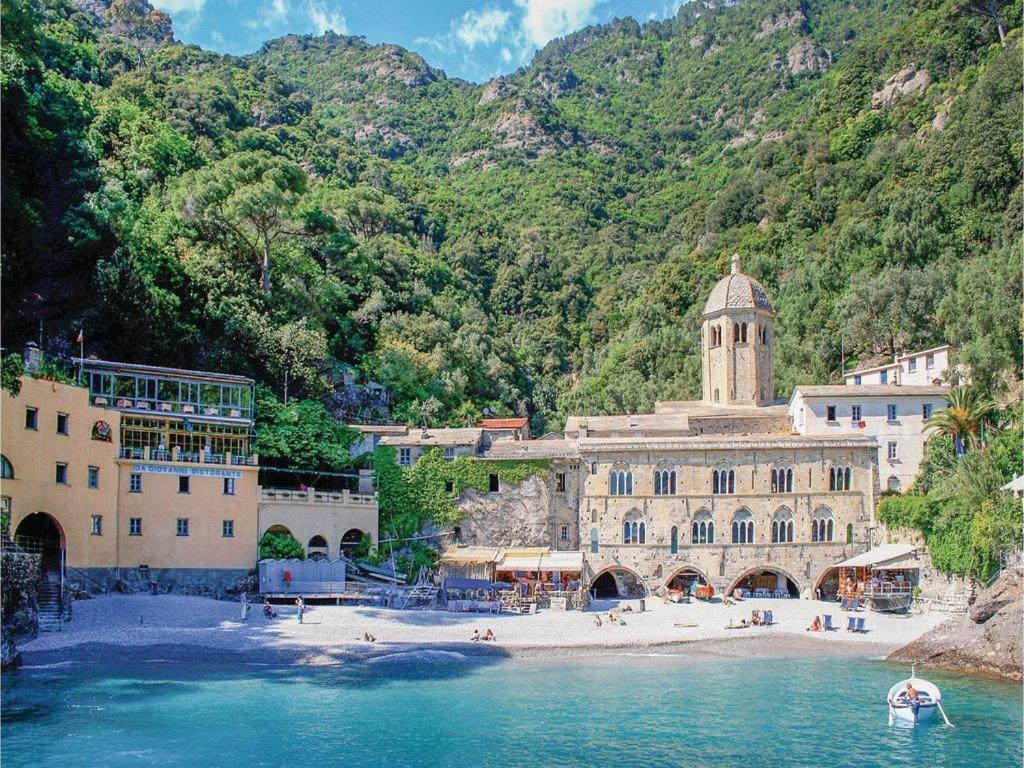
541,561
470,555
1016,485
886,556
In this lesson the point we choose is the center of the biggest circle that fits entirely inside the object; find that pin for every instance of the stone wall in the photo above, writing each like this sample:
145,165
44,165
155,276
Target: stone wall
525,515
209,582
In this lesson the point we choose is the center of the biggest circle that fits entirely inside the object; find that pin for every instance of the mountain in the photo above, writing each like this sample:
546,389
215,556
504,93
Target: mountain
539,244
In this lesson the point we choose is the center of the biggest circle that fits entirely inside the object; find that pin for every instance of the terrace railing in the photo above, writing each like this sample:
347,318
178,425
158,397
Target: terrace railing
188,457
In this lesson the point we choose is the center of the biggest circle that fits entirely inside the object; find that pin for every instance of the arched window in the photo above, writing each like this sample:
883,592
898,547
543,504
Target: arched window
822,525
703,528
743,527
782,526
620,482
849,533
664,481
634,529
782,479
675,540
839,477
6,469
743,332
593,540
736,333
723,481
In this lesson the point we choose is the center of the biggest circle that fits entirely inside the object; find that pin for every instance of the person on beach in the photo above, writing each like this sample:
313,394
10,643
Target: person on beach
488,635
244,600
301,605
268,609
367,637
476,636
597,620
815,625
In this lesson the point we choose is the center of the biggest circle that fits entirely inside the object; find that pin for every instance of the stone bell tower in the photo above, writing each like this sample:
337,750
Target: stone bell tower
737,342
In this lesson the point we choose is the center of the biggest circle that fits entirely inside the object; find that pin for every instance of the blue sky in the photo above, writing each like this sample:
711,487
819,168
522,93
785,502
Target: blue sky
471,39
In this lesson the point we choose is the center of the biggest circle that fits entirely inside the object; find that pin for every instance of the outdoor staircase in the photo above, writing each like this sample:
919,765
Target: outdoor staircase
51,605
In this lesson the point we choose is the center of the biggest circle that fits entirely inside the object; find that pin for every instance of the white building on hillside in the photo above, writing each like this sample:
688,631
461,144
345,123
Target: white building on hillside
894,415
926,367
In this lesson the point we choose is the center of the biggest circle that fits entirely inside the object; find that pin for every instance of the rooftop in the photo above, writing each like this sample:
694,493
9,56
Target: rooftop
430,437
502,423
737,291
380,429
871,390
130,369
533,449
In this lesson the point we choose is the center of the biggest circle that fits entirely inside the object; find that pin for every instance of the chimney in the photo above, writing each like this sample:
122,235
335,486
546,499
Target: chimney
32,357
735,263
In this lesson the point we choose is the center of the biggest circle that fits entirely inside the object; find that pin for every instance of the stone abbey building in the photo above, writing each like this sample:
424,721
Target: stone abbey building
723,490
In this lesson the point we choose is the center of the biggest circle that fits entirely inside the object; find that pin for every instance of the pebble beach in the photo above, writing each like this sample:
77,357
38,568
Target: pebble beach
175,627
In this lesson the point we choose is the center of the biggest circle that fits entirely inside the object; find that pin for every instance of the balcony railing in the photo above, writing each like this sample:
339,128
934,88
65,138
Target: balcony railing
313,496
173,407
188,457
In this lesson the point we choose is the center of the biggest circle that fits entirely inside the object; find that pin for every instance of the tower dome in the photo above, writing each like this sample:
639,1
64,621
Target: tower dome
737,291
737,339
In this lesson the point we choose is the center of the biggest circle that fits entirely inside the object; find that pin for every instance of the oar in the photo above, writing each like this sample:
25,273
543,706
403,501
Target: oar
943,713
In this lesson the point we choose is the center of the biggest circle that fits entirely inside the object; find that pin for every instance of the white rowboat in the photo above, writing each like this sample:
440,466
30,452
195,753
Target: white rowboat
914,709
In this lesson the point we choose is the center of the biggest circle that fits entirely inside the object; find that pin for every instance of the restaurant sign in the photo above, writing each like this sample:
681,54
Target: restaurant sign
163,469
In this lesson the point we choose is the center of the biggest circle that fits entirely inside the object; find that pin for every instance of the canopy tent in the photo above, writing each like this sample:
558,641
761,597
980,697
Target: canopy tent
540,560
470,555
473,584
886,557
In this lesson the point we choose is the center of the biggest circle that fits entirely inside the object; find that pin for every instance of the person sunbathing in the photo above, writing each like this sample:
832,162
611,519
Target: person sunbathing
815,625
488,635
369,638
476,636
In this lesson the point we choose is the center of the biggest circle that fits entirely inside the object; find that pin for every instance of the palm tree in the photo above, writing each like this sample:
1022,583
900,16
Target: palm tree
969,415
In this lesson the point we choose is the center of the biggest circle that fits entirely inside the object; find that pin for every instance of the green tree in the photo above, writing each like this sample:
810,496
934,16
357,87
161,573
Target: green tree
247,199
969,418
12,368
301,434
281,546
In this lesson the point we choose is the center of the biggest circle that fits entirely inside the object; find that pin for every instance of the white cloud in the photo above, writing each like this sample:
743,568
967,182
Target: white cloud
481,27
544,20
325,20
193,7
506,55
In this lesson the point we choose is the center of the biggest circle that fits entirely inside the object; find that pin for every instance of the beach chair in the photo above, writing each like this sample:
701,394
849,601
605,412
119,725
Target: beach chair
767,618
851,626
860,625
828,623
854,604
844,605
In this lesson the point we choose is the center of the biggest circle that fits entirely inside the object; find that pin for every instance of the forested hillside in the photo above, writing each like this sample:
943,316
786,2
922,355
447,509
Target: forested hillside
539,244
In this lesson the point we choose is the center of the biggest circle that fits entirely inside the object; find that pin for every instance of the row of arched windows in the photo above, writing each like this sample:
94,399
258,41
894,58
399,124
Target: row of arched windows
739,334
723,480
634,529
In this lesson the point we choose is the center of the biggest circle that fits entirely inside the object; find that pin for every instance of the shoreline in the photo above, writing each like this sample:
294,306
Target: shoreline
201,630
782,645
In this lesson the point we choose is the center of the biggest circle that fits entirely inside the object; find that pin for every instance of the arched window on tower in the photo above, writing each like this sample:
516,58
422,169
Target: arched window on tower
743,332
736,333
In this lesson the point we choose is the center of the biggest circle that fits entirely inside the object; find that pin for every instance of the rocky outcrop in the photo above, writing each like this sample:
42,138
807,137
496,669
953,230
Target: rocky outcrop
19,620
520,129
136,19
909,81
499,88
804,56
778,22
519,517
391,61
555,82
985,640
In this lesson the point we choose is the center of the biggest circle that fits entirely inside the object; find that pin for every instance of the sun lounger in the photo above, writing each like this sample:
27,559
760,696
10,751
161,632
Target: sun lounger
767,618
828,623
844,605
851,626
860,625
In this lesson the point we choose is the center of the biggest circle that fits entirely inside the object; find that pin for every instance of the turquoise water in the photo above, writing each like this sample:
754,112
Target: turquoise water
437,709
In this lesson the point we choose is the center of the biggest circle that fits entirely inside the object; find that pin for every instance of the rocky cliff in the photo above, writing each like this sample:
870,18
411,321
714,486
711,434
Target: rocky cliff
985,640
19,579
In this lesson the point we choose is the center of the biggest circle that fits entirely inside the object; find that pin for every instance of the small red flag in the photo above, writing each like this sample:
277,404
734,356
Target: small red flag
81,336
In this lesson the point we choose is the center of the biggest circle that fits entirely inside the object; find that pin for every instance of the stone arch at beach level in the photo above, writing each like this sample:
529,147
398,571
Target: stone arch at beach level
350,541
759,577
617,582
686,578
44,531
